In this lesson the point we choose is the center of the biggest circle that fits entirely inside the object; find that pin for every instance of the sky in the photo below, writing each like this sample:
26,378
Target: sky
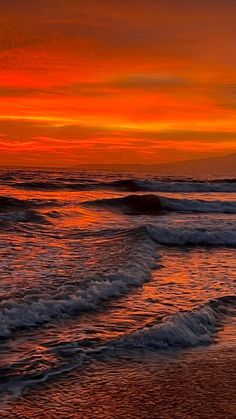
128,81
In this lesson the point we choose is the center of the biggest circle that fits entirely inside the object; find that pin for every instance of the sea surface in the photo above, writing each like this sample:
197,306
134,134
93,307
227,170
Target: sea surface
117,295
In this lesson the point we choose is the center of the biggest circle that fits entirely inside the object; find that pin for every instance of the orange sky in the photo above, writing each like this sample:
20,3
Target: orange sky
124,81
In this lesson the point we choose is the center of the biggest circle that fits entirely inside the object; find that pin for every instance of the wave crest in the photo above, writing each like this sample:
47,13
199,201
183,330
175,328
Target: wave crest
186,329
179,331
198,205
135,185
192,236
132,204
151,204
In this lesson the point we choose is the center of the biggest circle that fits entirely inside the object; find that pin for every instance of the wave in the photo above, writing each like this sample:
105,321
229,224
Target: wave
23,217
70,300
182,330
20,210
135,185
42,308
192,236
129,185
56,185
175,236
198,205
8,203
150,204
132,204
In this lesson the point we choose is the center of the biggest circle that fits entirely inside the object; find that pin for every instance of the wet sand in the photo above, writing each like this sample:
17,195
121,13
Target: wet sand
197,384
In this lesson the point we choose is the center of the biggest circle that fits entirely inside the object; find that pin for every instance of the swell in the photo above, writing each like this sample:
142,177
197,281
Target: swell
151,204
8,203
131,204
20,210
30,216
180,331
56,185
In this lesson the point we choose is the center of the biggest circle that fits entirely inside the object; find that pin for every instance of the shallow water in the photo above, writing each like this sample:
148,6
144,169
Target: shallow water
100,268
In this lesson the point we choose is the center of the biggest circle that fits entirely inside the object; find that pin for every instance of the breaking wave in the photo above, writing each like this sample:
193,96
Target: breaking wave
42,308
184,329
71,300
130,185
132,204
198,205
192,236
180,331
134,185
153,205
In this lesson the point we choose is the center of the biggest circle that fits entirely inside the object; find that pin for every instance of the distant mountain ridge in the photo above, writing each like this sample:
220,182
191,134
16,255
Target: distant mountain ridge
225,165
213,166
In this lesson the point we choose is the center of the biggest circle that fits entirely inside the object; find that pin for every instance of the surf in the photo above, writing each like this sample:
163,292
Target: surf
151,204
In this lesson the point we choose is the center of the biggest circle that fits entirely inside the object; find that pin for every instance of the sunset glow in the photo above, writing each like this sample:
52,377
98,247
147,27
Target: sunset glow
116,82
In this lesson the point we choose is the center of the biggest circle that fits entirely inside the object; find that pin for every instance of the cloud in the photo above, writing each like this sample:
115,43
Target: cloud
150,81
100,88
117,77
47,151
73,136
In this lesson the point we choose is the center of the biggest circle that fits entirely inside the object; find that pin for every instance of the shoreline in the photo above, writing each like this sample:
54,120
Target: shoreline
194,384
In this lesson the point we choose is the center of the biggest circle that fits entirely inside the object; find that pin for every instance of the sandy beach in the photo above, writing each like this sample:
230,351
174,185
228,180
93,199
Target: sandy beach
200,385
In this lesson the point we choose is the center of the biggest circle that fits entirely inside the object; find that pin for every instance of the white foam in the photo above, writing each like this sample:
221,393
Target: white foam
192,236
28,314
184,329
185,186
197,205
180,331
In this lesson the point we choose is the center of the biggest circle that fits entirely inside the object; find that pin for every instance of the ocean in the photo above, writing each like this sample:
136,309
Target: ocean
117,295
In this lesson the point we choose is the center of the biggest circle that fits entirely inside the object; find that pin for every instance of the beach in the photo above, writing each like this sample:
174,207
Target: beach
117,295
200,386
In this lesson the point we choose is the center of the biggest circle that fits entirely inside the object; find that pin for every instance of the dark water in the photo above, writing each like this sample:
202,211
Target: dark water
109,277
